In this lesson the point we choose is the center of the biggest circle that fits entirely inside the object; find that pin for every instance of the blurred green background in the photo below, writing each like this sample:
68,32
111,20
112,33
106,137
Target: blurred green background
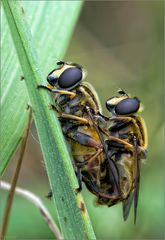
120,43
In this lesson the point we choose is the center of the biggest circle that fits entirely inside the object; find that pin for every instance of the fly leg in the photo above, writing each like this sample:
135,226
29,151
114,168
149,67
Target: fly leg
115,142
63,115
77,120
113,171
49,195
80,137
88,141
85,140
98,192
121,122
81,165
54,90
79,179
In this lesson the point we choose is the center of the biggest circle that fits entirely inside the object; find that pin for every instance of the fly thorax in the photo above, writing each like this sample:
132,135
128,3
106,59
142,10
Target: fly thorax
61,101
123,133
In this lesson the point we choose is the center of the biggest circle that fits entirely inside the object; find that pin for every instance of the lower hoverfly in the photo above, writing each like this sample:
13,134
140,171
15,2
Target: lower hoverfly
125,125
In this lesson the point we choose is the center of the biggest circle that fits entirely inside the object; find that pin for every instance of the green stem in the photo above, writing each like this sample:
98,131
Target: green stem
15,179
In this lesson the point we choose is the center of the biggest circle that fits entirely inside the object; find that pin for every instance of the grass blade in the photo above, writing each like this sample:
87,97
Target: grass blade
73,217
52,23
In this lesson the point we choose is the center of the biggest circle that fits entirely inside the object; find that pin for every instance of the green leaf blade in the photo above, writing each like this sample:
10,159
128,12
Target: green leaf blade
14,99
47,20
57,160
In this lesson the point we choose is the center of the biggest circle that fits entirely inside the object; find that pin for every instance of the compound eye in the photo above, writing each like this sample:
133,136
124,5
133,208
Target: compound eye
70,77
127,106
52,80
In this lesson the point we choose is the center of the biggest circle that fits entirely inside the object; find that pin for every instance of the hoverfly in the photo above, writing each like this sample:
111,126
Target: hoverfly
126,125
79,110
100,153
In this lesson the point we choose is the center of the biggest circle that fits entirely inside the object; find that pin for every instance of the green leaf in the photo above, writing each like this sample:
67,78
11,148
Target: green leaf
51,24
73,217
14,99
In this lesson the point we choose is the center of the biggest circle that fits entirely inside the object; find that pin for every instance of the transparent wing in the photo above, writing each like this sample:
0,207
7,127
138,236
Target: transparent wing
127,206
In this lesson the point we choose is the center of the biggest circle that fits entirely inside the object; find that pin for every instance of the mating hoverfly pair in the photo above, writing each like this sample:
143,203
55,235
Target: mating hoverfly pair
107,151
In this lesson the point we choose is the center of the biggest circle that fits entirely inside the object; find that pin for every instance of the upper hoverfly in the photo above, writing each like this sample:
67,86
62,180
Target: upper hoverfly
78,108
130,128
